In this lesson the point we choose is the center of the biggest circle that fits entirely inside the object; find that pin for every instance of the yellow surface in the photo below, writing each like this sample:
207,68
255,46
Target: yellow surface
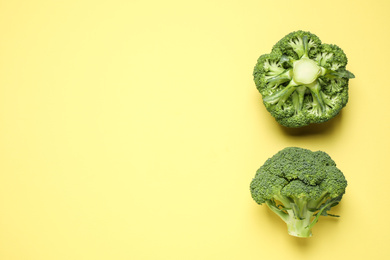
132,129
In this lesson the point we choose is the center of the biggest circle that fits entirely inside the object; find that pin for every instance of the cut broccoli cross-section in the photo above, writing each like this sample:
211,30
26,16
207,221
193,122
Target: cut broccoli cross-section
303,81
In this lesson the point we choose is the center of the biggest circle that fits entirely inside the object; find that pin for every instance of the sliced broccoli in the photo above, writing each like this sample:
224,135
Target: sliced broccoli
303,81
299,186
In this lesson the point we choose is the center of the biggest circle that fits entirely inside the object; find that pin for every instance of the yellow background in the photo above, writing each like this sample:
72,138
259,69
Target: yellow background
132,129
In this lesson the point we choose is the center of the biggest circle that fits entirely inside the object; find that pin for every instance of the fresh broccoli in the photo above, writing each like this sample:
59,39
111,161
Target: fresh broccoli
303,81
299,186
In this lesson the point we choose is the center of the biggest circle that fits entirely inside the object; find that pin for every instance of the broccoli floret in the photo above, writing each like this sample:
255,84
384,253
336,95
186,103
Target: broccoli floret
303,81
299,186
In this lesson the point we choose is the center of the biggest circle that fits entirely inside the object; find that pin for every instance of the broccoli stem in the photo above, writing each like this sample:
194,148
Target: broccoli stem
282,95
283,215
318,100
305,47
306,71
281,78
297,98
298,218
340,73
332,202
299,227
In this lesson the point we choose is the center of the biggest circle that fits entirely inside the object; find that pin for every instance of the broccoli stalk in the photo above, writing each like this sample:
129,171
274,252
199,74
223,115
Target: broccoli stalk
299,227
299,186
301,66
299,218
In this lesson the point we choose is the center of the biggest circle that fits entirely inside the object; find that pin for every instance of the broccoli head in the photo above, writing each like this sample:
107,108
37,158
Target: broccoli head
299,186
303,81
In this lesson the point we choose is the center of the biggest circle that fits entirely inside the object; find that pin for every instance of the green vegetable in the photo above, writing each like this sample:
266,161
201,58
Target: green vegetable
303,81
299,186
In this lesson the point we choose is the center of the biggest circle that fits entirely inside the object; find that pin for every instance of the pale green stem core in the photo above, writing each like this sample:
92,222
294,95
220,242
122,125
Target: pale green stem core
305,71
299,227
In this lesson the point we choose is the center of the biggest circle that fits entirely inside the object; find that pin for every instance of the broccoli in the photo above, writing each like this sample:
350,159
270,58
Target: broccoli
299,186
303,81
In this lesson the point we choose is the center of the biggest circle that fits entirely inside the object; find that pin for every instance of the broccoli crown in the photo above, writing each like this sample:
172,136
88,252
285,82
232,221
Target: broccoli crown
299,185
303,81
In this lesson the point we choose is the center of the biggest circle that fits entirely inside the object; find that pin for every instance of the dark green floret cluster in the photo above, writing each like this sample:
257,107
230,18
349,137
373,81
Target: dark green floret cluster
299,186
303,81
